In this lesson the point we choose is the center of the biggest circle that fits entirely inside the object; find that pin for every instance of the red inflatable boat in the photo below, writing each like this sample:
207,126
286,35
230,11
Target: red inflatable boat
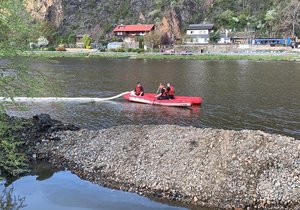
149,98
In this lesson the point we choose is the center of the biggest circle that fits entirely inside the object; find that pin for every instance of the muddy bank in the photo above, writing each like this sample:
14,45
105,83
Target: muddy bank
210,167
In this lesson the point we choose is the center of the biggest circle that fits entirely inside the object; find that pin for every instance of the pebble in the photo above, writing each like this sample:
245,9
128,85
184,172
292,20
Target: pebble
250,169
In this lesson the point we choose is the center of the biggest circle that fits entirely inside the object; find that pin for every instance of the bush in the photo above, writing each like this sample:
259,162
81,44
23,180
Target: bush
61,49
51,48
132,50
140,50
12,161
87,40
120,49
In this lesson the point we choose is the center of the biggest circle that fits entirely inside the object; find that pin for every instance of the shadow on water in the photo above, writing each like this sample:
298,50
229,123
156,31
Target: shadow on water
53,188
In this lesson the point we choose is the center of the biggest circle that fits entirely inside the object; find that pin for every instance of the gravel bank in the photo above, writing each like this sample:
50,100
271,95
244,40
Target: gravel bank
210,167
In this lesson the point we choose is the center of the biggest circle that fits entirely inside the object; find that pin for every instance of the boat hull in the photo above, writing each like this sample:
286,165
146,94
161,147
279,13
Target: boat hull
179,101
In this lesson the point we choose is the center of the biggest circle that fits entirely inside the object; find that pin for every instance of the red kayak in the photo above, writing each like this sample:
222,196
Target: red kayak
149,98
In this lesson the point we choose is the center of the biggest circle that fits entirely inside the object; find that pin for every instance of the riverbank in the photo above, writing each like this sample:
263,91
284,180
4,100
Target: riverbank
160,56
201,167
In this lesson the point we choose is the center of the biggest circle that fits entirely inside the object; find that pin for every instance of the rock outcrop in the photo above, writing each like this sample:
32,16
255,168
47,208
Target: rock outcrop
210,167
99,17
48,10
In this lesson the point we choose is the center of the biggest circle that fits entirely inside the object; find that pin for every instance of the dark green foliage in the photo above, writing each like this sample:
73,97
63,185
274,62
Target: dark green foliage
15,79
141,44
51,48
214,37
11,159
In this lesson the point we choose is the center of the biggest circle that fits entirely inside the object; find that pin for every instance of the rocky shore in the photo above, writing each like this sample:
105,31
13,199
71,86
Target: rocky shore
202,167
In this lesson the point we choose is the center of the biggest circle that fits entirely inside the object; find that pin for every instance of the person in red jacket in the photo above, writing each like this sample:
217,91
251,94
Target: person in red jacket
170,91
139,90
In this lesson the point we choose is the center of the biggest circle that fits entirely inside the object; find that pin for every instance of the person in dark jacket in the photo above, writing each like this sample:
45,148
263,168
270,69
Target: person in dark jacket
163,93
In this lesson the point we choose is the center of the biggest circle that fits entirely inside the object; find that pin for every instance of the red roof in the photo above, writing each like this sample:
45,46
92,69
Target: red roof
133,28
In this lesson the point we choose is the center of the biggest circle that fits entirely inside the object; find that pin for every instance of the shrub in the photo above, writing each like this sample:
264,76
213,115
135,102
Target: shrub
61,49
120,49
140,50
51,48
87,40
132,50
12,161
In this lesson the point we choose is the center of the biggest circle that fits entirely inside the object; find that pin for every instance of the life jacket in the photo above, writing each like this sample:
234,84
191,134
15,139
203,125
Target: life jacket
171,92
137,90
165,92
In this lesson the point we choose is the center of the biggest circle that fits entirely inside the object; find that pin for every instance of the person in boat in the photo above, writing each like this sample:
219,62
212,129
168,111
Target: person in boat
159,89
139,90
170,91
163,93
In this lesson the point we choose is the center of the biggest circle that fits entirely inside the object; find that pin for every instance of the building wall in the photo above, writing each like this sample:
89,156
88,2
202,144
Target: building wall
197,40
196,32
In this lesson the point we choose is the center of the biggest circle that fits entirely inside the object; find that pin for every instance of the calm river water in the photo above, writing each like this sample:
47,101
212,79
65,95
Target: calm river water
237,95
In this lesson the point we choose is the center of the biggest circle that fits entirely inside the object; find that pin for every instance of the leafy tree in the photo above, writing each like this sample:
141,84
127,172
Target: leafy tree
152,38
15,79
214,37
226,19
271,18
87,40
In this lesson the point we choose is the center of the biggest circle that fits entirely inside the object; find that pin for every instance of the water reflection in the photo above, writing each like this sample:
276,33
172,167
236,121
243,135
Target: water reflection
9,201
50,188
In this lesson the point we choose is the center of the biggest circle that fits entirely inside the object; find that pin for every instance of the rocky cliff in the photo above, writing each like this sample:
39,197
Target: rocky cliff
98,17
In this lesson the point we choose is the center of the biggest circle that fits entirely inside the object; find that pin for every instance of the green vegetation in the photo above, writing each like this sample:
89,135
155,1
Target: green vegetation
17,31
87,40
12,161
139,54
220,57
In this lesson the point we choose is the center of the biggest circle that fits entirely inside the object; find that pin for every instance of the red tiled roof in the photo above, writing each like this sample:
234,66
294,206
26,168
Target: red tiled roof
133,28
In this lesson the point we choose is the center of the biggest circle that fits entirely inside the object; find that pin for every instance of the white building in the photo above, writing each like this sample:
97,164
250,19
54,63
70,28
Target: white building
199,33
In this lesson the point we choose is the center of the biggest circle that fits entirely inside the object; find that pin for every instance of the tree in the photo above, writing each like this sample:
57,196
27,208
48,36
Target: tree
87,41
152,38
226,19
214,36
271,18
293,11
15,79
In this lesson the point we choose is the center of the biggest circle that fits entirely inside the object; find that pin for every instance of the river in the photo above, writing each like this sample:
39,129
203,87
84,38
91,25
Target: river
237,95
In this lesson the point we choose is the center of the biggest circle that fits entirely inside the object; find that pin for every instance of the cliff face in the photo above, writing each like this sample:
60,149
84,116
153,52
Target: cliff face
49,10
98,17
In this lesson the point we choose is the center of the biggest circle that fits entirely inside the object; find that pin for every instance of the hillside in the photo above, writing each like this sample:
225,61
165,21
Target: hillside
98,17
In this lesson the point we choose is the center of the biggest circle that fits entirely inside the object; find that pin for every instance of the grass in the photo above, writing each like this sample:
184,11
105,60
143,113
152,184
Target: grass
55,54
221,57
256,57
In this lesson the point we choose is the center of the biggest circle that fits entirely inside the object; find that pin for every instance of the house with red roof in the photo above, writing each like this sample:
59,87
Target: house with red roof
129,32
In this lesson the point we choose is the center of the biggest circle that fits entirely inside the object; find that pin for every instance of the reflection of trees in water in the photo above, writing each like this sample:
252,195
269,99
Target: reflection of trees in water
10,202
